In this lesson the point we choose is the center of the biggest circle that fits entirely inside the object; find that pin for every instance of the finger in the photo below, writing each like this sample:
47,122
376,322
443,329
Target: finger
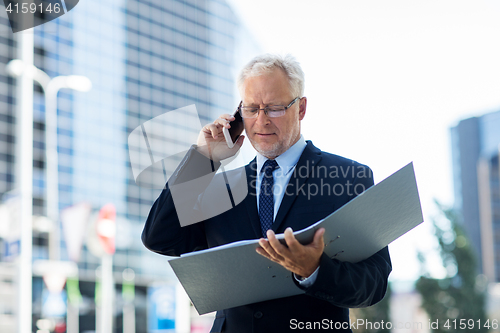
318,240
227,117
279,248
292,242
263,253
222,122
270,249
212,130
263,242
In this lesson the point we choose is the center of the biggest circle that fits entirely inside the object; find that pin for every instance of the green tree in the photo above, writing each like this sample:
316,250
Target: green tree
461,295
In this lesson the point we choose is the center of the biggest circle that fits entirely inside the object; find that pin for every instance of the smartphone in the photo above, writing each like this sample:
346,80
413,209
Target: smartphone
232,134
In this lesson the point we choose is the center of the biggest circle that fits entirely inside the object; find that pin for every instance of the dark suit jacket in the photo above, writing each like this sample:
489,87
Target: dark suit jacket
320,184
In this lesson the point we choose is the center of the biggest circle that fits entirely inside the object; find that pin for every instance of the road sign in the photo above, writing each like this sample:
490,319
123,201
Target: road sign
161,308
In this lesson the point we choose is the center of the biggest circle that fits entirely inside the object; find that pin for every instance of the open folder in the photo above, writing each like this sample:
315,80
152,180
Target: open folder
235,274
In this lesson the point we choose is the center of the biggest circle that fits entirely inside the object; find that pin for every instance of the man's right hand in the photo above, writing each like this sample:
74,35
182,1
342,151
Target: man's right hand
212,143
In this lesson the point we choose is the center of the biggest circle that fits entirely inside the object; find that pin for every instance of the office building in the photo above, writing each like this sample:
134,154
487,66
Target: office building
144,58
475,153
7,152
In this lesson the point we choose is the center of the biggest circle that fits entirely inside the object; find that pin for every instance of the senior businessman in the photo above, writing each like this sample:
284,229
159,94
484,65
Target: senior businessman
291,185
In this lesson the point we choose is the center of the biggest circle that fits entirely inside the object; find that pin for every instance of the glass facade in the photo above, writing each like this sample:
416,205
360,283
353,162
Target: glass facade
7,171
144,58
475,150
7,119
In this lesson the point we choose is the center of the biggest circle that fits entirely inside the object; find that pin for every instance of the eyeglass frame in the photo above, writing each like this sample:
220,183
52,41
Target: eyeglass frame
266,109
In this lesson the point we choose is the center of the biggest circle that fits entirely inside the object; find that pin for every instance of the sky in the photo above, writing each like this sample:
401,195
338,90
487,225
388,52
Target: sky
385,81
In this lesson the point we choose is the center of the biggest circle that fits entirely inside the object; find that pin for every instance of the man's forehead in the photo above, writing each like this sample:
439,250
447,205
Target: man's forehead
268,99
272,86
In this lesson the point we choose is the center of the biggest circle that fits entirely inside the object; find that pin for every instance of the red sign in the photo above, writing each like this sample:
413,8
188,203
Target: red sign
106,228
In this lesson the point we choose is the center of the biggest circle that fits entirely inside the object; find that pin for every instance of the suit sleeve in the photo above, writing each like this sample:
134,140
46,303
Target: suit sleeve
163,232
353,285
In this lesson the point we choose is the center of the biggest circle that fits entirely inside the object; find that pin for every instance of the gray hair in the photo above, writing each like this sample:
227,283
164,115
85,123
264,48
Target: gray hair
268,62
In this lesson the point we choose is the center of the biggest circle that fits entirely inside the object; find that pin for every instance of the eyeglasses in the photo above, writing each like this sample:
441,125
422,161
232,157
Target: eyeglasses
272,111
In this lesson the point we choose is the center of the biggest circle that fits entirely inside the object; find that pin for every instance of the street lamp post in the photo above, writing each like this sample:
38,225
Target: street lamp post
24,180
51,87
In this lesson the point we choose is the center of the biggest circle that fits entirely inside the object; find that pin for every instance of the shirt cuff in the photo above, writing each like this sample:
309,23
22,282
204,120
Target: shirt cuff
308,281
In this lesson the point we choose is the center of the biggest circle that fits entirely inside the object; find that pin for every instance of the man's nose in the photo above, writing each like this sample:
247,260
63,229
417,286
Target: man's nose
262,118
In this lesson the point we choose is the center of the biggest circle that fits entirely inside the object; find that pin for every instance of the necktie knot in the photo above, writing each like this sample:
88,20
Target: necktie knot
269,166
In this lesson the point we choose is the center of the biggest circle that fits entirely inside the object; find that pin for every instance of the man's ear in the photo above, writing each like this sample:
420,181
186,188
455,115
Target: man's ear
302,107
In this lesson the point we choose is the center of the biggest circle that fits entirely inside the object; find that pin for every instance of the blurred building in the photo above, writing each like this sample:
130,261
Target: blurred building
144,58
493,303
7,52
7,152
407,314
476,174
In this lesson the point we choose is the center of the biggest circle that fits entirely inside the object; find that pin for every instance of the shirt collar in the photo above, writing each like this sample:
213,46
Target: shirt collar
288,159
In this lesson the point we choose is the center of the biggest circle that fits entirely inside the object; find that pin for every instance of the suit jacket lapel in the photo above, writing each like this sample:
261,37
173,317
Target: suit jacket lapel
309,159
251,199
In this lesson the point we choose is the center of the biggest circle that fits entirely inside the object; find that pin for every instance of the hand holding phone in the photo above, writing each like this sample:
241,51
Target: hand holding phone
232,134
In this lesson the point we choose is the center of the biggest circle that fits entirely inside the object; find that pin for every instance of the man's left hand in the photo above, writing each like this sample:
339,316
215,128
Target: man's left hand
300,259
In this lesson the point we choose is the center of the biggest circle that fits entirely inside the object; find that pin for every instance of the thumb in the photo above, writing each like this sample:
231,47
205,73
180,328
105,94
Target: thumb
237,145
240,140
318,237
